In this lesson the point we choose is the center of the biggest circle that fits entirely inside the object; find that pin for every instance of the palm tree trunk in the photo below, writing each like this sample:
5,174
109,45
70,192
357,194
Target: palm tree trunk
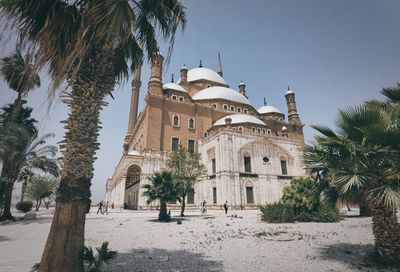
8,188
16,112
364,207
23,190
66,237
386,231
183,205
163,215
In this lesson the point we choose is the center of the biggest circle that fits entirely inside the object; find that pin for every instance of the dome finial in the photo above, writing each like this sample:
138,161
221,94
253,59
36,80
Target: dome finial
265,101
288,88
172,78
201,64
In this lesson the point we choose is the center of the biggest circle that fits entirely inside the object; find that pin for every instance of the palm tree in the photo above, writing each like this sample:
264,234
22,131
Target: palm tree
88,43
164,189
21,76
25,119
369,137
20,150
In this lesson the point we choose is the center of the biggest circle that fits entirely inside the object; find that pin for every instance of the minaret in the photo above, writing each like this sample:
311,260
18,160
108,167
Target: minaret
184,72
242,89
219,65
155,82
136,83
293,116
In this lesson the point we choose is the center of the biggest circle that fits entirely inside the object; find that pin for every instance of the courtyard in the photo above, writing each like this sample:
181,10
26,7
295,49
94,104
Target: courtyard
238,241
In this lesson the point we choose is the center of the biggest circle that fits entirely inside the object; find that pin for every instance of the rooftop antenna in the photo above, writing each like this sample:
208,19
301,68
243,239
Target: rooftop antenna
265,101
219,65
172,78
201,64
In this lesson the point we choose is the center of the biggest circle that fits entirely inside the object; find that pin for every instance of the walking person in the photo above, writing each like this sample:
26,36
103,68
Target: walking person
203,207
100,207
226,207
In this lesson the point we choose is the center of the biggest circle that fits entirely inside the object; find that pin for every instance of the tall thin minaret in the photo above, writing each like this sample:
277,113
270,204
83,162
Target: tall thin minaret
219,65
133,112
293,116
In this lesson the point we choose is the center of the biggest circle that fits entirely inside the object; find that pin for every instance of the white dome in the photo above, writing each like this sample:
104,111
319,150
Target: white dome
268,109
174,86
289,92
239,118
217,92
284,128
204,73
134,153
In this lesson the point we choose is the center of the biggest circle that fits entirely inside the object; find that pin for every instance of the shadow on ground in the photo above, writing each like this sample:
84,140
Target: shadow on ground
358,257
160,260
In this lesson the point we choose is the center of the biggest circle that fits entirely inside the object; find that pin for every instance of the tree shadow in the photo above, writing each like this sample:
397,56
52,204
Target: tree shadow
173,220
155,259
21,221
360,257
4,238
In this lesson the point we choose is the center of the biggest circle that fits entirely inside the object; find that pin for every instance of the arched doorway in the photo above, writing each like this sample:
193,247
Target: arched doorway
132,186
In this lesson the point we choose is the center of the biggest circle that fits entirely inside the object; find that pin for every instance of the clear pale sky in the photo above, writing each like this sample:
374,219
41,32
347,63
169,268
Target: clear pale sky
333,54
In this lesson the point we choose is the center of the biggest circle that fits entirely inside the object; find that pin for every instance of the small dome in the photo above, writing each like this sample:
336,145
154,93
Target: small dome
289,92
239,118
204,73
173,86
134,153
217,92
284,128
268,109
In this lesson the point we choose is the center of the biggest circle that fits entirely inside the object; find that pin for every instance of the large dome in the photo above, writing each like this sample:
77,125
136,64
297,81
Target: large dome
204,73
238,119
217,92
268,109
173,86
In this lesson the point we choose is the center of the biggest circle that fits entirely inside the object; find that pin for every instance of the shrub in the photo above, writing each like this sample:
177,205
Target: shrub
325,214
24,206
278,212
301,195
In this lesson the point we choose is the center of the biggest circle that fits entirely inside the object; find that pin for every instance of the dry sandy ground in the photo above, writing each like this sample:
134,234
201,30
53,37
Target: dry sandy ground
211,242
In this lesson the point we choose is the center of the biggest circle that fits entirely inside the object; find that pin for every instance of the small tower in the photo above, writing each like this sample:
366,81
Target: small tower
155,83
136,83
293,116
242,88
219,65
184,72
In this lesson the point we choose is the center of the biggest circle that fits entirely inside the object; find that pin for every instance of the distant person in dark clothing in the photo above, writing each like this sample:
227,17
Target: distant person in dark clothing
100,207
112,205
226,207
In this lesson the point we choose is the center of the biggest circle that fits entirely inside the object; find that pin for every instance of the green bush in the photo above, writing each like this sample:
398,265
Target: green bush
326,214
301,195
278,212
24,206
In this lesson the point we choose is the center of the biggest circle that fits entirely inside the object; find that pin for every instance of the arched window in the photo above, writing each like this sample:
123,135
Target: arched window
191,124
175,121
132,176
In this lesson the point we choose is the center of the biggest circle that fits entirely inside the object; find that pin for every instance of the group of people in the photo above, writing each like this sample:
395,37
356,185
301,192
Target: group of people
204,209
103,207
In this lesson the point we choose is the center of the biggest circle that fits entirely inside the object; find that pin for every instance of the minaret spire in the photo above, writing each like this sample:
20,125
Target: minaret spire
219,65
136,83
265,101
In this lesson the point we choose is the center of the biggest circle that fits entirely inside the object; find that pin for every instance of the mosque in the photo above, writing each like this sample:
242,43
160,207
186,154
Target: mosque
250,154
